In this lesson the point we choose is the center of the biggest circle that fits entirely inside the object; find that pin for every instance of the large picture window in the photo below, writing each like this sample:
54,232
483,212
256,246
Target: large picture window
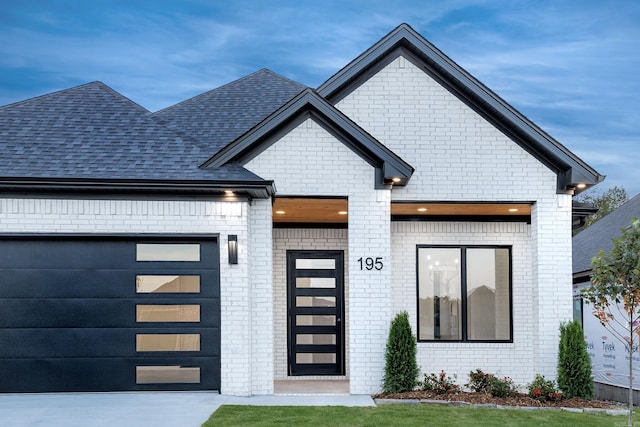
464,293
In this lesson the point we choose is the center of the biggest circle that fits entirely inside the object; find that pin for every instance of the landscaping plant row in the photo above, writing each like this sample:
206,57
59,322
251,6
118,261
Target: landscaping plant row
574,369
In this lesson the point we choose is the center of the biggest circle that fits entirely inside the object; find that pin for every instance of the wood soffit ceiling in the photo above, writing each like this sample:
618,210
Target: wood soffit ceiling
335,211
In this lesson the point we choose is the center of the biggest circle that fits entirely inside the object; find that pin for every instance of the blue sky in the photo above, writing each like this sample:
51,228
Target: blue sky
570,66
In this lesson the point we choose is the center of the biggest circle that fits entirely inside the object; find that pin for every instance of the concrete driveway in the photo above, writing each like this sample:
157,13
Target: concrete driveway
157,409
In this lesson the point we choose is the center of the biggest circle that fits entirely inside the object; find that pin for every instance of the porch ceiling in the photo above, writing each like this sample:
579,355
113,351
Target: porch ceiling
297,210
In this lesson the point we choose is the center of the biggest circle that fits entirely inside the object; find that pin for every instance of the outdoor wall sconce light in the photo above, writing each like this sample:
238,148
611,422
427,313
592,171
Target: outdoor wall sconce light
232,247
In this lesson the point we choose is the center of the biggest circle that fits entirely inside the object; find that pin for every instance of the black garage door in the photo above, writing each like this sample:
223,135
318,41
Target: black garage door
109,313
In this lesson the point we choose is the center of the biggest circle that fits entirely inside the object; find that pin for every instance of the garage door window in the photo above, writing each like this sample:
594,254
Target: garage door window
146,284
167,375
168,252
168,342
167,313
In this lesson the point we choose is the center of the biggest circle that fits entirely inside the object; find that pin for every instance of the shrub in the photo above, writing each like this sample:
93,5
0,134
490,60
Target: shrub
401,369
480,381
543,390
574,365
502,387
440,383
483,382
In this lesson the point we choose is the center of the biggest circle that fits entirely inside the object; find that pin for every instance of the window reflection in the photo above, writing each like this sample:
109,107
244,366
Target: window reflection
168,313
167,342
167,252
146,284
167,375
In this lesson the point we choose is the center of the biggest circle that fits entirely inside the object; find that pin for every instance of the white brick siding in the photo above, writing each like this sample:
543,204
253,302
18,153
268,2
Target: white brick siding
261,295
457,154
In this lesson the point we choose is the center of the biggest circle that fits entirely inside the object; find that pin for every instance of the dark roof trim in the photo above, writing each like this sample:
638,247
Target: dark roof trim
404,40
580,212
250,189
308,104
461,218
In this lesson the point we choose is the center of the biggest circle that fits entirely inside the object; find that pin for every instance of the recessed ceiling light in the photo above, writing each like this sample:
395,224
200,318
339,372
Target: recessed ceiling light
396,179
229,193
342,213
422,209
581,185
280,212
513,210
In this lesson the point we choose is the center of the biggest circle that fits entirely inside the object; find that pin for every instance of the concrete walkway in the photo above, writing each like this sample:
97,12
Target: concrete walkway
157,409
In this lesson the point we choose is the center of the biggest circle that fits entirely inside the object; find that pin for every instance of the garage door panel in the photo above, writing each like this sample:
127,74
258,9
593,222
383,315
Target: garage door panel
99,342
70,254
101,283
107,374
86,314
106,313
82,254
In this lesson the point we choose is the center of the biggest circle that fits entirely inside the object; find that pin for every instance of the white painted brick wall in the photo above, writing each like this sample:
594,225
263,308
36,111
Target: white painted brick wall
457,154
261,295
552,268
22,215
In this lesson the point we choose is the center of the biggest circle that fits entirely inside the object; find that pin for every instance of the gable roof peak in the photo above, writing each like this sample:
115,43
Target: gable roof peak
405,41
309,104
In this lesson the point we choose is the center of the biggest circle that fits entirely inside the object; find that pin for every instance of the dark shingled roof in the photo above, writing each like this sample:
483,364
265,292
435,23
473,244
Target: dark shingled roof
221,115
587,243
93,132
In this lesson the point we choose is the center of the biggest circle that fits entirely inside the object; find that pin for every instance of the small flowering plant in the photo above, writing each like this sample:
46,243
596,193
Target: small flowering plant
544,390
483,382
440,383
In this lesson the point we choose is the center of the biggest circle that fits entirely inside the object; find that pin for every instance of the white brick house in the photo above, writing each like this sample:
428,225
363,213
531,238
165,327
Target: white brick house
402,183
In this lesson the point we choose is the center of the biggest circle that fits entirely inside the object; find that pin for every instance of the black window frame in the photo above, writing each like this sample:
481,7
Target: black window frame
463,292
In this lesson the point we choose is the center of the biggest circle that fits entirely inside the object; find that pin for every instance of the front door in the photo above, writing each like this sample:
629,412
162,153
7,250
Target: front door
315,312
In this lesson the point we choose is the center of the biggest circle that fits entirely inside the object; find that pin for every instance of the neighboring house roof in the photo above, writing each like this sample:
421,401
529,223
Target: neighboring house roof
404,40
221,115
309,104
596,237
92,137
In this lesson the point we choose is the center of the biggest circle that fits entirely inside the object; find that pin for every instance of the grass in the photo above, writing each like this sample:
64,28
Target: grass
403,415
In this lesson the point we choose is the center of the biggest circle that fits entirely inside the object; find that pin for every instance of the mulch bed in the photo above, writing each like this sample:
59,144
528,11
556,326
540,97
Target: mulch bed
485,398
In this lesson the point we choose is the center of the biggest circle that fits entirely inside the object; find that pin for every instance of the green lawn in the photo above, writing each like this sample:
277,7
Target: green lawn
402,415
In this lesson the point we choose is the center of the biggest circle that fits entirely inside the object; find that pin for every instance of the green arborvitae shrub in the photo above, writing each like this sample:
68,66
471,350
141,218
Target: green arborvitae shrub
574,366
401,369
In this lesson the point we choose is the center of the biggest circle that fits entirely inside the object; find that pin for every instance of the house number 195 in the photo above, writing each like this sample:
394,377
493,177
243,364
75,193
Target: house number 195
371,263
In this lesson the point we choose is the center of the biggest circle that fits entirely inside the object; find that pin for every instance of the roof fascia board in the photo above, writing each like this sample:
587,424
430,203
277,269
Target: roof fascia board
309,104
570,169
253,189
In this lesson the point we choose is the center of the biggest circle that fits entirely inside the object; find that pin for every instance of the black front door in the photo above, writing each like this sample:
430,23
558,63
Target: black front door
316,312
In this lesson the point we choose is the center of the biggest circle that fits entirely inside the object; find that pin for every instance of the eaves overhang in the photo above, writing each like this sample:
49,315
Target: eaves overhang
390,168
573,174
123,187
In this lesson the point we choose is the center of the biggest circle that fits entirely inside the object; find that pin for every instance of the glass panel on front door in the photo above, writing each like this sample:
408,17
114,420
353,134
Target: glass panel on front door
315,312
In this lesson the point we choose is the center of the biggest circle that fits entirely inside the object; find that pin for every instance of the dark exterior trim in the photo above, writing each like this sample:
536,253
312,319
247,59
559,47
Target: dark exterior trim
582,277
570,169
251,189
308,104
314,225
110,236
462,218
